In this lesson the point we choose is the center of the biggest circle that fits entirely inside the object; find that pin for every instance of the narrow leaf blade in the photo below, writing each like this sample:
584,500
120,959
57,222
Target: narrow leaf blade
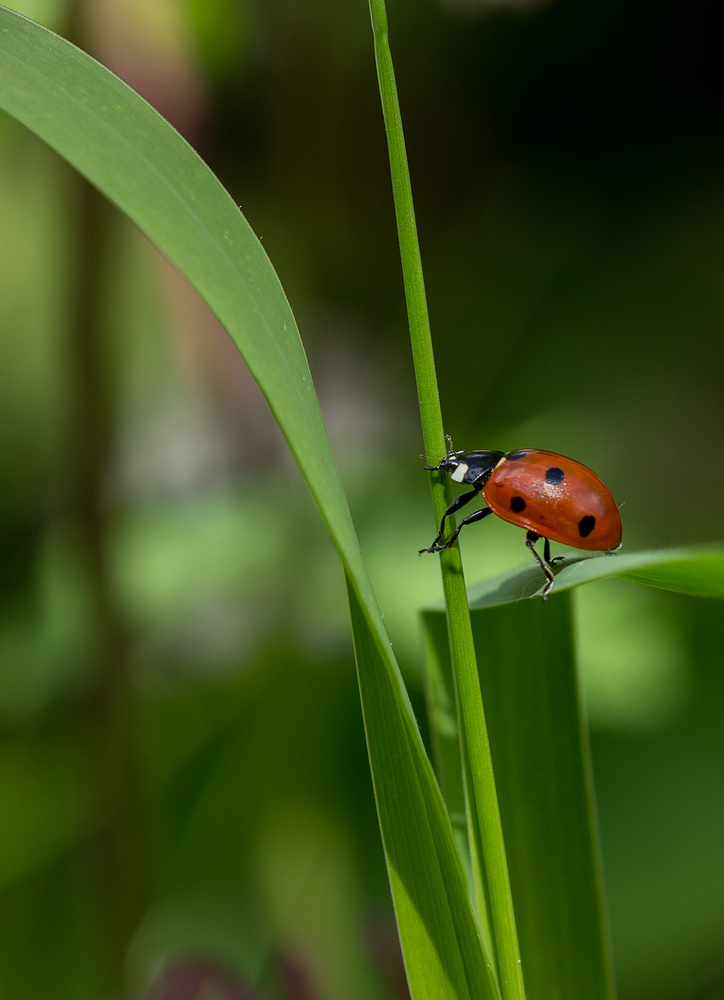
140,163
543,778
696,569
443,952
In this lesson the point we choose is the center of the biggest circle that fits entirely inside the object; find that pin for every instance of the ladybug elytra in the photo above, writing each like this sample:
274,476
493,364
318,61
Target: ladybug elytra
549,495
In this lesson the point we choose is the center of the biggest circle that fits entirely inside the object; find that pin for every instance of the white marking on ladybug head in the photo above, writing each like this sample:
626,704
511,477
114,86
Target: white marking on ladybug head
459,473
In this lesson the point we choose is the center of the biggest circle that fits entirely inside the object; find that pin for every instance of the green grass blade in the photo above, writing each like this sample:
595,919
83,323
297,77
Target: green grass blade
686,571
542,770
442,718
488,871
120,144
433,905
696,569
540,754
141,164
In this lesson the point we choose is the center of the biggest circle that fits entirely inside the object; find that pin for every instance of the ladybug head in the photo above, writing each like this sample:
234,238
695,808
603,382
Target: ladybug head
469,466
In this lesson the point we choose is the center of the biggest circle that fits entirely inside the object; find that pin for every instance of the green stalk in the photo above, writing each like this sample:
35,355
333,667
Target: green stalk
491,890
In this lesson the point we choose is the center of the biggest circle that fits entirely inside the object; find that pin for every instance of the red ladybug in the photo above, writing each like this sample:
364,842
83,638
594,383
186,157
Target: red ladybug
552,497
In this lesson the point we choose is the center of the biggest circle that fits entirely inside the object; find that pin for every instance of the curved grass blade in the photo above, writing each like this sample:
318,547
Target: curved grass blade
392,734
696,569
135,158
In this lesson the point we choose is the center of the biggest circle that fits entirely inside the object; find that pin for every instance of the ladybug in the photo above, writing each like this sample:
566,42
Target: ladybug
551,496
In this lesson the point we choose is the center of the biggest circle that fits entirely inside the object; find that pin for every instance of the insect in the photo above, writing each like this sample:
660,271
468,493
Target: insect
551,496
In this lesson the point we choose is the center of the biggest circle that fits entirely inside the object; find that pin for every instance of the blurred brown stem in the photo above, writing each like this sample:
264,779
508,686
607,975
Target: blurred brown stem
116,845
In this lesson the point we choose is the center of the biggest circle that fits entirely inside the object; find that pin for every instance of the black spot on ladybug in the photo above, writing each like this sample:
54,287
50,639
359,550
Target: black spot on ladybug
555,475
515,455
517,504
586,525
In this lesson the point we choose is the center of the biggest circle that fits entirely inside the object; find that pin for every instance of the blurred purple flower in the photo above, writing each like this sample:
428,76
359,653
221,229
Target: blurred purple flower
199,979
207,979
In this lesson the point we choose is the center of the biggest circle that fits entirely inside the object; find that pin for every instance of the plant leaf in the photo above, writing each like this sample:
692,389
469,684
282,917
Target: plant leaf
421,830
542,774
540,753
696,569
123,147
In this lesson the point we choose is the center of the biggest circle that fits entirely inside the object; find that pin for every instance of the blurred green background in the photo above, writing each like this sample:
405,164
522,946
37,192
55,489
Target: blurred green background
182,761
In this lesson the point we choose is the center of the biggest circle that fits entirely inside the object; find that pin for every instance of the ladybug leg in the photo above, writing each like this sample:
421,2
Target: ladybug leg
477,516
455,506
547,554
530,539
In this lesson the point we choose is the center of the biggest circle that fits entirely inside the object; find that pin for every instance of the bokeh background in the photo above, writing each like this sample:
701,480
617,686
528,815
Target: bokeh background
182,761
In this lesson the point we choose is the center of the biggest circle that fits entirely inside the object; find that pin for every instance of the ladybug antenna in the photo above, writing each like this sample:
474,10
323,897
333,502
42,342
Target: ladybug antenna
449,442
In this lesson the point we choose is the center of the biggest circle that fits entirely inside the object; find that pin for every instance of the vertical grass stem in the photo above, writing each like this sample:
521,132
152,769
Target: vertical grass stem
491,889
